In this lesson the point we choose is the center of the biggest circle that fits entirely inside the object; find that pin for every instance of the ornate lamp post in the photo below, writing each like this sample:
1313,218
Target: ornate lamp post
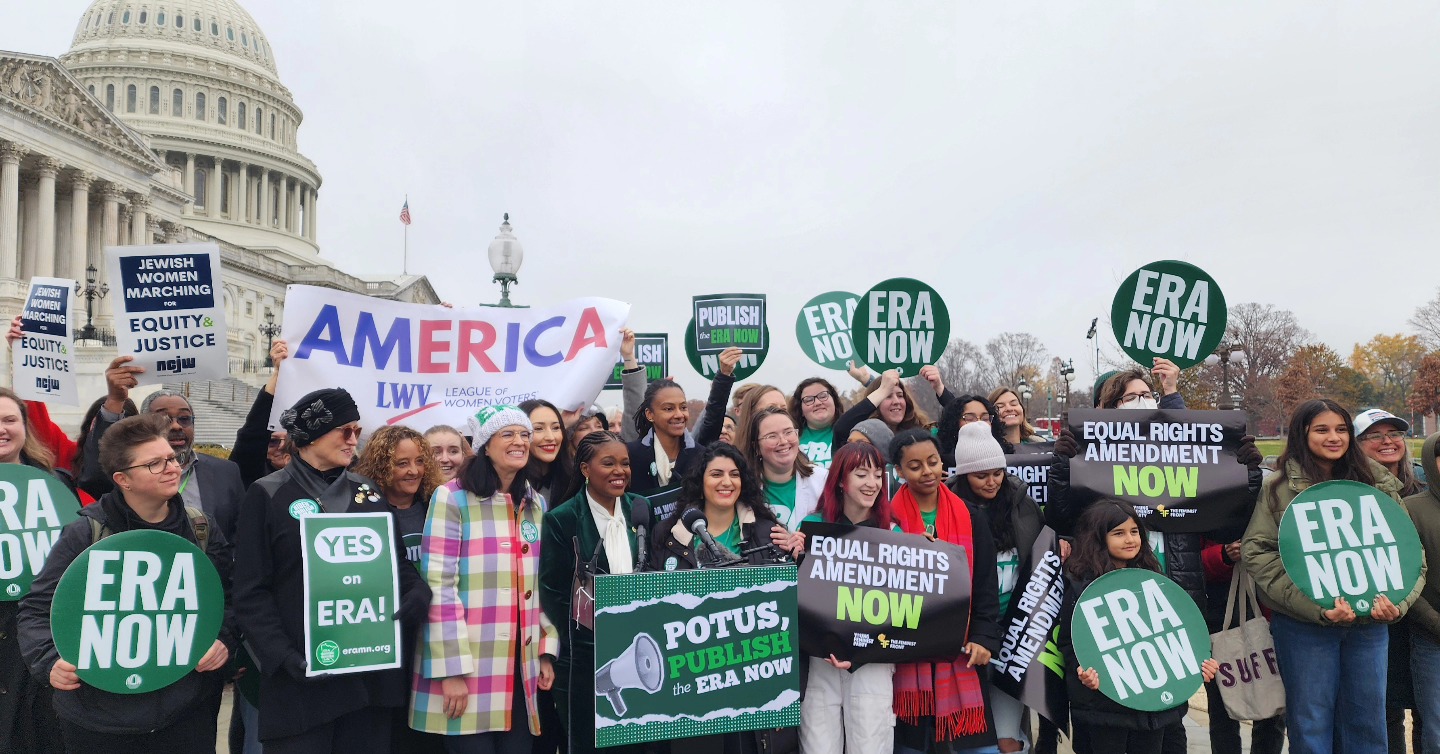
1025,394
1226,355
270,329
1067,370
506,256
90,292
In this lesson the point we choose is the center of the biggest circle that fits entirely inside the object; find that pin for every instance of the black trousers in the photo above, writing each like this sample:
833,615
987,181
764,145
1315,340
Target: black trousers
366,729
192,734
1266,736
1122,741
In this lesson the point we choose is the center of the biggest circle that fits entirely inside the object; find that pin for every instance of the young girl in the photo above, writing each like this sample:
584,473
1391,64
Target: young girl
451,449
1332,662
945,706
1109,536
843,710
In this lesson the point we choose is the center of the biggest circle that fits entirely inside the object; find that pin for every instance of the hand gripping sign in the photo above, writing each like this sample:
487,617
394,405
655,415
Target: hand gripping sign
137,610
34,507
1347,539
352,592
1144,636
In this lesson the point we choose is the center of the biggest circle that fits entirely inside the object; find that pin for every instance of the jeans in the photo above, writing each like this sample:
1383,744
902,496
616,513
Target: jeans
1334,685
1425,667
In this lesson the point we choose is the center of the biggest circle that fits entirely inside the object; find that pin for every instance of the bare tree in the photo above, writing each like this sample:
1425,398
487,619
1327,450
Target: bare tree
1426,322
1270,338
1013,356
964,367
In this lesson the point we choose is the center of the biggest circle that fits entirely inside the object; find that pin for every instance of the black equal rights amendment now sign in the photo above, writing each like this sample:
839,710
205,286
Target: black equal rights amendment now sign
1177,467
873,595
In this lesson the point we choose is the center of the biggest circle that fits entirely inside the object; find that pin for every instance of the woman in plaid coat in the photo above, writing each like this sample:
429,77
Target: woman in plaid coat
487,646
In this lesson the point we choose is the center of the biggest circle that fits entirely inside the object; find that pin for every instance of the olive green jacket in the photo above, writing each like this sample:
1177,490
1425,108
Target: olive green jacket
1260,550
1424,508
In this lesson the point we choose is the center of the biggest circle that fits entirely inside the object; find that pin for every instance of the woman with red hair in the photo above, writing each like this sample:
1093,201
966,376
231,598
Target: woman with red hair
844,710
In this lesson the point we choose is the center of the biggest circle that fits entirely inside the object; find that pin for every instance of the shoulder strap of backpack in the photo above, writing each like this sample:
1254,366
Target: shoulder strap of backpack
201,525
98,531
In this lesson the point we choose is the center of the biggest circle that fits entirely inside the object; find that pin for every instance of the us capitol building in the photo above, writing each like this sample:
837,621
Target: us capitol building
165,122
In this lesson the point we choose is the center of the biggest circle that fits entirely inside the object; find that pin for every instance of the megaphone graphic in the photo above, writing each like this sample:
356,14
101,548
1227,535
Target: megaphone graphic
640,666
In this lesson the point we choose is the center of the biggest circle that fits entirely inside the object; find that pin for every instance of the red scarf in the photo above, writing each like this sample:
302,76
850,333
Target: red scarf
949,691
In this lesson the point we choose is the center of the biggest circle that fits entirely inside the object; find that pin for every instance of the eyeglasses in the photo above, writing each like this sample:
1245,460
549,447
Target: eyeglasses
349,433
510,434
974,418
788,434
811,400
184,420
157,466
276,442
1395,436
1130,398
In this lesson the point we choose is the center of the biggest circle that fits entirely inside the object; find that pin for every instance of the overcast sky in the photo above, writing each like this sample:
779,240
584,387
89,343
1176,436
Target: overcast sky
1023,158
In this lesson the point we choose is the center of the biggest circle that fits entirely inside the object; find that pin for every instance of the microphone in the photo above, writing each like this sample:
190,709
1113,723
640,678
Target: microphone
640,522
694,520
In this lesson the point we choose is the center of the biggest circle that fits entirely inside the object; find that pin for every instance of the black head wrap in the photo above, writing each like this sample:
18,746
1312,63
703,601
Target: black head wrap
318,413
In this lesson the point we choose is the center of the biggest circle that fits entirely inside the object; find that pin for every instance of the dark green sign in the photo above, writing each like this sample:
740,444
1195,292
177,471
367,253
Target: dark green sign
708,364
694,653
900,324
136,611
823,329
1347,539
1144,636
725,320
652,351
1171,310
34,507
352,593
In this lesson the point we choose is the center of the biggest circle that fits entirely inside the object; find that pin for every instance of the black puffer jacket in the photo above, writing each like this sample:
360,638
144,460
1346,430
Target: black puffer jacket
1026,520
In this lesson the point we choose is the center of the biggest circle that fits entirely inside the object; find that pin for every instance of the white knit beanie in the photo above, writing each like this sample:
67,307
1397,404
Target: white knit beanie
491,419
977,449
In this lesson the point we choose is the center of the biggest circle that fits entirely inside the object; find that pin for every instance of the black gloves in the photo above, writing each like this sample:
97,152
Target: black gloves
1247,453
1066,445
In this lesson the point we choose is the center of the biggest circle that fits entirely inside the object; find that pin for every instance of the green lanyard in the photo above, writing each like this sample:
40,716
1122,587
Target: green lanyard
185,480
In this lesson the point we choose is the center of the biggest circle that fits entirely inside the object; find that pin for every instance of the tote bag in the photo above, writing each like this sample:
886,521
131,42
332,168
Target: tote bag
1249,676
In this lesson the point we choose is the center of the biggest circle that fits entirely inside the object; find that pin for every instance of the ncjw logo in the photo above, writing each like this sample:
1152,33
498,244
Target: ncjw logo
175,366
47,384
348,544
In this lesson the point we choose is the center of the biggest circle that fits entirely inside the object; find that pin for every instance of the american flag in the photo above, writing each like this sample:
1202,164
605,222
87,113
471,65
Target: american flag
405,213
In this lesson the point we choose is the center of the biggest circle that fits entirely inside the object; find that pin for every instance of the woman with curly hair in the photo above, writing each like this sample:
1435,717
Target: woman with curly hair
400,461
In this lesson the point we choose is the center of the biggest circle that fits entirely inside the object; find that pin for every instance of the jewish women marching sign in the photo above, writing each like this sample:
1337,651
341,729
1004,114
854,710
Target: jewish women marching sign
136,611
694,653
1177,467
873,595
1029,666
45,353
1144,636
168,310
900,324
823,328
1347,539
1170,310
652,351
34,507
352,593
422,365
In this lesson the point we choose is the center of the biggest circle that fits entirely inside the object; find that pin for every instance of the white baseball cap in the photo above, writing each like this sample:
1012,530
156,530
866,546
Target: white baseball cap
1372,416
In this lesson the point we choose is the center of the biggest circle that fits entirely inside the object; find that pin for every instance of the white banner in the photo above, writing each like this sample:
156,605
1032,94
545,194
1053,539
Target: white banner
45,354
422,365
169,313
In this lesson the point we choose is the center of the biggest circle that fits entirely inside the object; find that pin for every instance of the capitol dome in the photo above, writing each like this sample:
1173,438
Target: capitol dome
198,78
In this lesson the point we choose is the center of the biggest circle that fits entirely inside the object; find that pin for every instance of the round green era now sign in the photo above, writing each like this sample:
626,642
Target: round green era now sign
900,324
1144,636
1172,310
34,508
136,611
1347,539
823,328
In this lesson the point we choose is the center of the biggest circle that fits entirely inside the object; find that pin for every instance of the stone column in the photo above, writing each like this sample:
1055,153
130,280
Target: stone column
190,182
29,224
110,222
123,232
314,214
44,263
79,225
10,155
154,231
264,203
212,193
140,217
240,194
283,211
295,197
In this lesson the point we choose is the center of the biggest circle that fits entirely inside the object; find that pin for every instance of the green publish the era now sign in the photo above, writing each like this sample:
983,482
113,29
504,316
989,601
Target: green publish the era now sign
694,653
352,592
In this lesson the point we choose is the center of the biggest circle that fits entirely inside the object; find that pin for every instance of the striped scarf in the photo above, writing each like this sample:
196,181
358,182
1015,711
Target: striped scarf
948,691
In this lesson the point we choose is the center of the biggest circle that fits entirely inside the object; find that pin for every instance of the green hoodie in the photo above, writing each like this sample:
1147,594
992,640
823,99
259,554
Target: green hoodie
1260,551
1424,510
